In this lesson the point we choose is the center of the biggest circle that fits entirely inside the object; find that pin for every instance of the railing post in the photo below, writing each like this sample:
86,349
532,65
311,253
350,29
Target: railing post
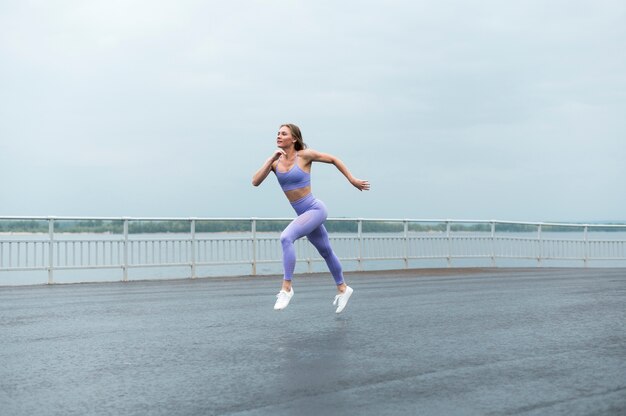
539,237
493,244
193,248
449,243
360,236
406,244
254,246
51,251
586,259
125,265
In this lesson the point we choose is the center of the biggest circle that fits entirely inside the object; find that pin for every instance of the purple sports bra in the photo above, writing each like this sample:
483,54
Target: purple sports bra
294,178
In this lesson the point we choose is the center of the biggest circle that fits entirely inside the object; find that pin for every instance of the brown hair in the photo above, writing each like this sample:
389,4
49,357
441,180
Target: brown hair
297,134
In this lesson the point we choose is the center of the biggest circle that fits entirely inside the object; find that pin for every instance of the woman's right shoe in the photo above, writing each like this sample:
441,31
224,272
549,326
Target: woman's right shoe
283,299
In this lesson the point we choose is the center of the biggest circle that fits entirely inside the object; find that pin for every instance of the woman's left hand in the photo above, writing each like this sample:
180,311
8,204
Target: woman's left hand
360,184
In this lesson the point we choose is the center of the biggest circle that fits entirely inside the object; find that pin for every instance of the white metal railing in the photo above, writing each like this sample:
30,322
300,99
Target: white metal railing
411,240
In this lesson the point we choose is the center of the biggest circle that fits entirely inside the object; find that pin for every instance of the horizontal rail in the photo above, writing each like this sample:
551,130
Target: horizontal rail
353,219
433,239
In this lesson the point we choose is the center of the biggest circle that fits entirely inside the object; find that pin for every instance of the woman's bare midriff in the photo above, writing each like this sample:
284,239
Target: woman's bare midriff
299,193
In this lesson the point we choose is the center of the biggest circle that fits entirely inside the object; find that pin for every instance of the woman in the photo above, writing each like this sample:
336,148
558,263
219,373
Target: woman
291,163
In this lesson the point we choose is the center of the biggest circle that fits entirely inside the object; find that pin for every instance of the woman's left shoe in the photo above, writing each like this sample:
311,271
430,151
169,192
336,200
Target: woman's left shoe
341,300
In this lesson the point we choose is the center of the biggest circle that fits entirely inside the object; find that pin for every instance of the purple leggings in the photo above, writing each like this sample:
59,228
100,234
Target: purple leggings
310,223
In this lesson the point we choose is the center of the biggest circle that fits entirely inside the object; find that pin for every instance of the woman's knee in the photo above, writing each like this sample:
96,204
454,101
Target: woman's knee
286,238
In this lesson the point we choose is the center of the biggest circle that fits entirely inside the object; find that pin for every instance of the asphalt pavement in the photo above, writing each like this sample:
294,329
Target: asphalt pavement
415,342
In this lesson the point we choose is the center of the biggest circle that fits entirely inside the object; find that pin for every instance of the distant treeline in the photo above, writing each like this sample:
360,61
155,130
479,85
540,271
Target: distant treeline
149,227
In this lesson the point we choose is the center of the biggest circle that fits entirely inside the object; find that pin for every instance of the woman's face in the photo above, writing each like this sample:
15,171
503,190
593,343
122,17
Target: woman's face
285,138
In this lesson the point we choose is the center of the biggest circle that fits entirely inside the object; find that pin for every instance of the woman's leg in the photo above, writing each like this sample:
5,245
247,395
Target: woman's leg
319,238
303,225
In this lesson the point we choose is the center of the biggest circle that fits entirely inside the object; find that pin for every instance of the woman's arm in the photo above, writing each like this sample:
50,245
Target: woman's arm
265,170
315,156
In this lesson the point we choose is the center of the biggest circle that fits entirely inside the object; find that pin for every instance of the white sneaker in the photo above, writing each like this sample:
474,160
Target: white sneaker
283,299
341,300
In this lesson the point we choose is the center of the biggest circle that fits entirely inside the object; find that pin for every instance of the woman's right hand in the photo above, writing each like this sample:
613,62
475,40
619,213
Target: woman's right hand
277,154
267,167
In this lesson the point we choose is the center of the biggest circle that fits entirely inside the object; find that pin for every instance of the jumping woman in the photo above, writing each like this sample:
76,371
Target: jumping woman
291,163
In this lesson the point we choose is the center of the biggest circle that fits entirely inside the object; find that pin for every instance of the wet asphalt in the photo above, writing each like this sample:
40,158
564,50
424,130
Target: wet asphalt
428,342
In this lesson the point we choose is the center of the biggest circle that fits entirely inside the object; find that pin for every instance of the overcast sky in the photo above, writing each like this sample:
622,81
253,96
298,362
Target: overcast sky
451,109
